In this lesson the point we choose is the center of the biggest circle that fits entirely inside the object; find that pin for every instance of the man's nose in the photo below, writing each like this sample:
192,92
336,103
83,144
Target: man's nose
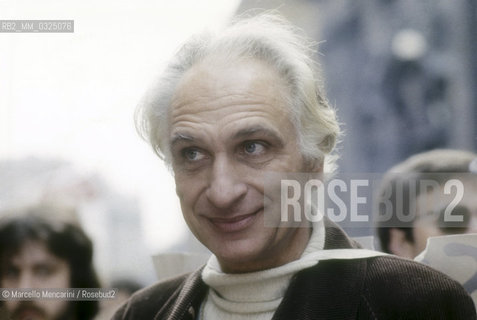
25,280
226,186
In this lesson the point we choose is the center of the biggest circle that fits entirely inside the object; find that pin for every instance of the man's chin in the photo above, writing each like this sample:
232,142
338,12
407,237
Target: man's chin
239,260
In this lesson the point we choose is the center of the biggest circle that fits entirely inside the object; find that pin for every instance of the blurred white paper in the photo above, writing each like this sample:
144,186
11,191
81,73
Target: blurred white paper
367,242
456,256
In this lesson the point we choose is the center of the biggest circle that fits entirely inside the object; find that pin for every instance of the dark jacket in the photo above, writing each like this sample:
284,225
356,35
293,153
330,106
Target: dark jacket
384,287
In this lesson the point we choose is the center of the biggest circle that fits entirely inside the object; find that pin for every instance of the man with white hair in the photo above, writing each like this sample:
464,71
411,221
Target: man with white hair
229,109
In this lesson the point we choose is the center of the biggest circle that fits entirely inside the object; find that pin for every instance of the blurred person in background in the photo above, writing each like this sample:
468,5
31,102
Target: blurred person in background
424,212
42,247
230,108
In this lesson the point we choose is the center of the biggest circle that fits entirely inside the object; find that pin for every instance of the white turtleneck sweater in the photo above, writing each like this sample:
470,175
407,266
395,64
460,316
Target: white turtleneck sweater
254,295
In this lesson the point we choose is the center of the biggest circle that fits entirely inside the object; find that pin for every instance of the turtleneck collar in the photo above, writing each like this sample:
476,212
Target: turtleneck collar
237,296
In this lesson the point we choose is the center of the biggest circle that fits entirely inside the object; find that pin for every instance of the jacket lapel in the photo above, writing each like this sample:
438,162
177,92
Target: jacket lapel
329,290
188,300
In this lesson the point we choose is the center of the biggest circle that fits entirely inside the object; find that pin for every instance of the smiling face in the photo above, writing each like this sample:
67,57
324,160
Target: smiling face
35,267
229,125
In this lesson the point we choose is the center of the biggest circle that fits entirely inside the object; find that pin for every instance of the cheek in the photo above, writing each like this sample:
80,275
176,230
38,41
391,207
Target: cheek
186,200
421,233
189,189
61,279
7,283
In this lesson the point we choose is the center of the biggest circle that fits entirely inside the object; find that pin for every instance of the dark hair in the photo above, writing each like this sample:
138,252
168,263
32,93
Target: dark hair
63,239
438,165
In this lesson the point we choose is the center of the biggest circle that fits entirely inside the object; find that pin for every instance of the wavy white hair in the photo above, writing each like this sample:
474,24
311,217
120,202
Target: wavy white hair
268,38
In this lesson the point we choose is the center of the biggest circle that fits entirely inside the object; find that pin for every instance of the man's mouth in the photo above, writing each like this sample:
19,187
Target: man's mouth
236,223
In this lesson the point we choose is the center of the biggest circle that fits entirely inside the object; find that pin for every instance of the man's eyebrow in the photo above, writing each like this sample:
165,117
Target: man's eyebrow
241,134
247,132
181,137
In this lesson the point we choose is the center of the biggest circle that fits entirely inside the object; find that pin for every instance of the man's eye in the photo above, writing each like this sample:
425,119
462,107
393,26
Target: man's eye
192,154
253,148
11,272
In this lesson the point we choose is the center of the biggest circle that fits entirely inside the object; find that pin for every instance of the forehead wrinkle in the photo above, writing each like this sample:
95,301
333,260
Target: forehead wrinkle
254,129
195,89
238,108
202,104
211,115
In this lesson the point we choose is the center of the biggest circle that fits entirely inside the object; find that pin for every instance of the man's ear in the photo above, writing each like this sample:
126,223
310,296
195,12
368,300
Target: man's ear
399,245
314,165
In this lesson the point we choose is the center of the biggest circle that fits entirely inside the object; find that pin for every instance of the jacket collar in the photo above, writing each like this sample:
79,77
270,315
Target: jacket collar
188,300
330,289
